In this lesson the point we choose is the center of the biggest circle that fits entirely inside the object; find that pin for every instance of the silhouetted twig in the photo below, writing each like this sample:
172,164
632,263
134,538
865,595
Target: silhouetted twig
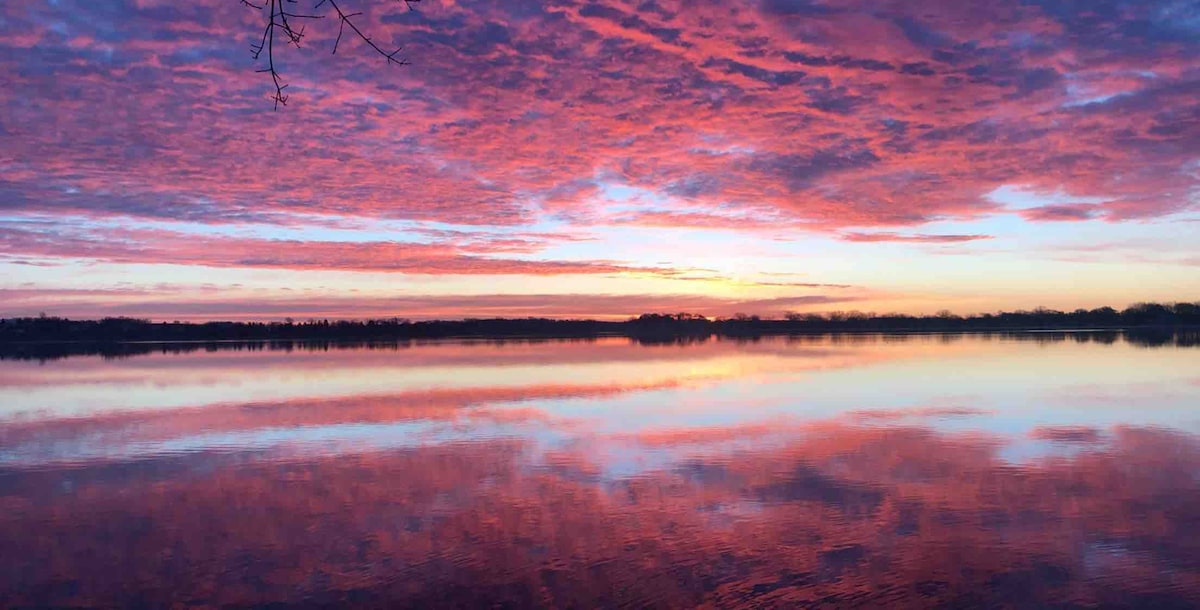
278,16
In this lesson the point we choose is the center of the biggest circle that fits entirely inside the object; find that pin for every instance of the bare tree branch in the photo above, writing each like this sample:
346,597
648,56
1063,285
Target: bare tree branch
277,15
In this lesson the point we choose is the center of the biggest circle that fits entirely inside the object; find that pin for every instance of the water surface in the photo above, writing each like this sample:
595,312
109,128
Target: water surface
854,470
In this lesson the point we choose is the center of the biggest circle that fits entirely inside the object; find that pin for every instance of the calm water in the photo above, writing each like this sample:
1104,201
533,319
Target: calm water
1059,470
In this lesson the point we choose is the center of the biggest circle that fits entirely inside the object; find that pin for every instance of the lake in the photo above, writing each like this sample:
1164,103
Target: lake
1013,470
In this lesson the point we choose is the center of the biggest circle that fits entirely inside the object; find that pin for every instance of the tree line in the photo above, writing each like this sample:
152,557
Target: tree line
648,326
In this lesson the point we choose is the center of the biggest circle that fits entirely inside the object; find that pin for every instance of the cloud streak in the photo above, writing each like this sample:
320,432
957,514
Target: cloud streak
156,246
153,305
920,238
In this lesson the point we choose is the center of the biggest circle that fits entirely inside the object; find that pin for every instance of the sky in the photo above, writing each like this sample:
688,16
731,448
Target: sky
599,159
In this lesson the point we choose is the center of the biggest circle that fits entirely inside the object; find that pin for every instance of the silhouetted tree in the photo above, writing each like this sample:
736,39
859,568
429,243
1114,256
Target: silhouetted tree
1157,324
284,19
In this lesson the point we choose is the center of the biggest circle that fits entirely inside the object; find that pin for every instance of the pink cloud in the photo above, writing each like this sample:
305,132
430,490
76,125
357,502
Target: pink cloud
150,246
834,114
1068,212
921,238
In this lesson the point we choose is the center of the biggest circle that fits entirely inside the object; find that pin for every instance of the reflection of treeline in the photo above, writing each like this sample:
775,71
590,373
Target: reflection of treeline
50,350
48,337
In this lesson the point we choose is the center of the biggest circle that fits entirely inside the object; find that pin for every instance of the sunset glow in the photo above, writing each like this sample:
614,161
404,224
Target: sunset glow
600,159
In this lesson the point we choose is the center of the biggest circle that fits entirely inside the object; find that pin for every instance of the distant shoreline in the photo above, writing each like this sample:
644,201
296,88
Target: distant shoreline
52,338
1141,315
625,335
